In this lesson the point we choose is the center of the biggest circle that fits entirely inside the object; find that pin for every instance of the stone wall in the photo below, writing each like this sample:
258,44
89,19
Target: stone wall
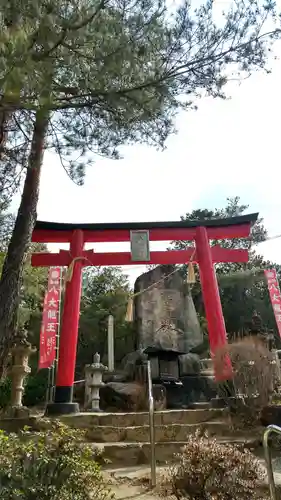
165,314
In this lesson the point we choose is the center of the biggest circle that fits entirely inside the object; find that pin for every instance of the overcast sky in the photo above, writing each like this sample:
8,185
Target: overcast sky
226,148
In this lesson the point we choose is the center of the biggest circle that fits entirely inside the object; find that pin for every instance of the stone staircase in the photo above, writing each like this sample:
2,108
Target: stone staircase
124,437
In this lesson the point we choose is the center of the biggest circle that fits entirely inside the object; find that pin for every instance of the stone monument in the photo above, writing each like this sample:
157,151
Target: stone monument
166,319
165,314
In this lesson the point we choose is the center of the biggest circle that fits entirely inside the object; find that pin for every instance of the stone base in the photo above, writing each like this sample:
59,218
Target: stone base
217,403
198,388
175,395
16,412
57,409
94,410
233,403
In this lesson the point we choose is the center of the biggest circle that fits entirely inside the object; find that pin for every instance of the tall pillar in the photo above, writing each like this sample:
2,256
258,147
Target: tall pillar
63,403
212,303
110,343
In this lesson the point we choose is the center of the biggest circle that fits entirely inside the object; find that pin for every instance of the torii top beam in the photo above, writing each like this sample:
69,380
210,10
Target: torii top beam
217,229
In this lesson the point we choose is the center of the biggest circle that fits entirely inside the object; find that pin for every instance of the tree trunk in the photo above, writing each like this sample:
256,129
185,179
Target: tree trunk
20,241
5,118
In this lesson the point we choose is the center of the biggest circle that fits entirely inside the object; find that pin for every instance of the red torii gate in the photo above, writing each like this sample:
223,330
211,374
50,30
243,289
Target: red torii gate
76,258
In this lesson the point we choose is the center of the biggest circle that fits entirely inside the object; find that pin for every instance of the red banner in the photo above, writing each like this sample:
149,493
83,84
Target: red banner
50,320
275,296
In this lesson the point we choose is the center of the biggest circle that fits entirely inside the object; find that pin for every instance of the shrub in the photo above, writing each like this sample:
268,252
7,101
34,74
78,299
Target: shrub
49,465
210,470
35,388
253,377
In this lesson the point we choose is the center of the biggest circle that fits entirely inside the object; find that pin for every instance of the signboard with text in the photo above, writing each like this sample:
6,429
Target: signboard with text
140,246
275,296
50,320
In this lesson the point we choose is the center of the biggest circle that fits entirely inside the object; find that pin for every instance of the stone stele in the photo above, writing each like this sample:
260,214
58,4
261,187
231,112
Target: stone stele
165,314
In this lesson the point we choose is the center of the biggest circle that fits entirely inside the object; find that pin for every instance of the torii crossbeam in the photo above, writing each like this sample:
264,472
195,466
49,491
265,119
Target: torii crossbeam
77,257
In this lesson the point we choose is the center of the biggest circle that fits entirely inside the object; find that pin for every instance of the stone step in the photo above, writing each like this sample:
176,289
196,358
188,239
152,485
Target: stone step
124,454
205,405
193,416
163,433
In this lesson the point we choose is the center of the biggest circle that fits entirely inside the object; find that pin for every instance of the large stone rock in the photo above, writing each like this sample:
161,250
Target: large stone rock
131,365
118,396
129,396
190,364
116,376
165,314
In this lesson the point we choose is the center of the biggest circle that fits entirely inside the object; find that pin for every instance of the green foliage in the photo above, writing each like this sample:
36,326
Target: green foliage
208,469
106,291
6,225
33,286
34,281
242,286
35,388
5,392
51,465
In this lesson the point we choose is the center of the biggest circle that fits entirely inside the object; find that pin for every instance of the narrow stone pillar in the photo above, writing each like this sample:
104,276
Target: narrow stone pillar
110,343
88,383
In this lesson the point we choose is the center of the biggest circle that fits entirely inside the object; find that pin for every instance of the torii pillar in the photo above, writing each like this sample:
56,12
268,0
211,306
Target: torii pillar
212,303
63,402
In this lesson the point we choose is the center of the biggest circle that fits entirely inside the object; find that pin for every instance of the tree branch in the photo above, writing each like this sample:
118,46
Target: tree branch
75,27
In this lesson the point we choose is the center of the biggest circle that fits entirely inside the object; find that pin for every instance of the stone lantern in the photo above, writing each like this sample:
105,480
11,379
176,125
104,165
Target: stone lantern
93,383
20,353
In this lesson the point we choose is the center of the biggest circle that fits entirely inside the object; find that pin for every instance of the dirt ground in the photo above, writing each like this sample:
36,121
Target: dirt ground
127,492
135,485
